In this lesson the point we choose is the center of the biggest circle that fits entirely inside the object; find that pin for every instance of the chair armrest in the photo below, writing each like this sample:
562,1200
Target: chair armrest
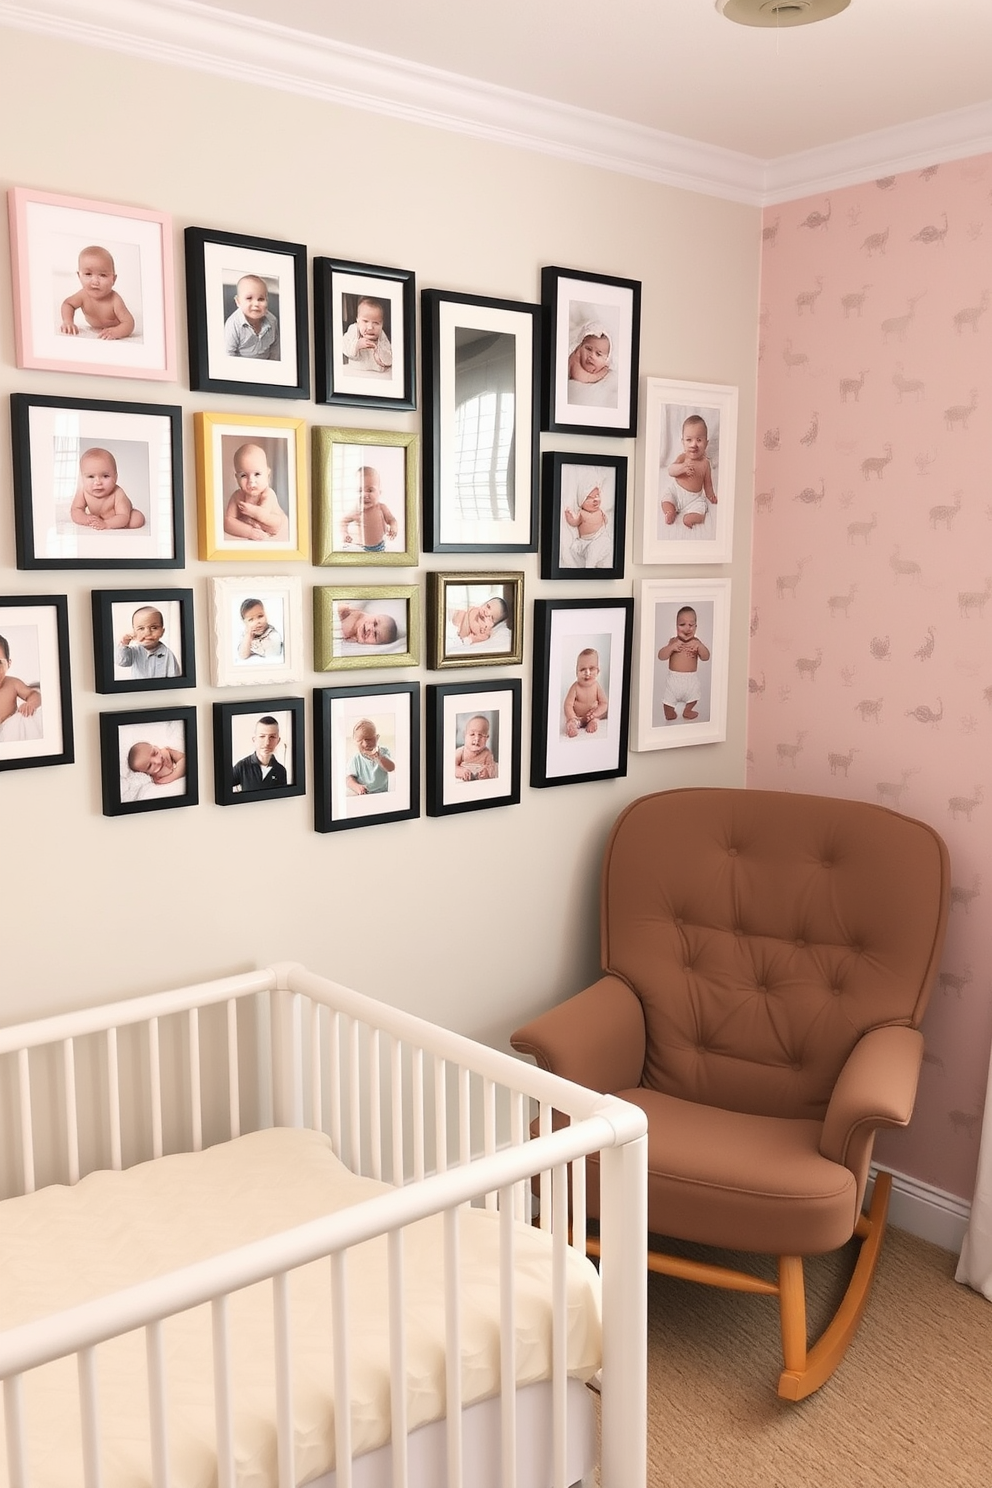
876,1088
596,1038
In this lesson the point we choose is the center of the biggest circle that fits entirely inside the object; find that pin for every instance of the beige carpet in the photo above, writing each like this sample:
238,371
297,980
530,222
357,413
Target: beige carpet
911,1404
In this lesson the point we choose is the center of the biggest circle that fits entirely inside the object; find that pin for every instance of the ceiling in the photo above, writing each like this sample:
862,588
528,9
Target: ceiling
680,67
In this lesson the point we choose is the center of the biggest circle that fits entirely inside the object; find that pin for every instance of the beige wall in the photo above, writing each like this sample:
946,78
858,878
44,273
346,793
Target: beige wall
473,920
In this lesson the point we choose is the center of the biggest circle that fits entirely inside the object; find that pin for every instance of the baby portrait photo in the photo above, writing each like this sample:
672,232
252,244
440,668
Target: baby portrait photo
143,639
581,689
473,744
683,634
97,485
474,619
364,318
251,487
366,755
258,750
257,629
247,314
591,357
687,477
35,707
583,515
92,286
148,760
365,497
366,627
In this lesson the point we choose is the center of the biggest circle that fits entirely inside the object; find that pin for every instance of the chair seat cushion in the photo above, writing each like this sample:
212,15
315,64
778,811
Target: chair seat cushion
743,1182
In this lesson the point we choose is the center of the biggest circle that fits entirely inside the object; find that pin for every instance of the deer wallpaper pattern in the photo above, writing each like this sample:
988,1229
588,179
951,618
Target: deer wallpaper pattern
871,620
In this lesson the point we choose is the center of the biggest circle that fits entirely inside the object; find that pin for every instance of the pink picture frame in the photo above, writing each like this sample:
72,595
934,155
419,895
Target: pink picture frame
67,317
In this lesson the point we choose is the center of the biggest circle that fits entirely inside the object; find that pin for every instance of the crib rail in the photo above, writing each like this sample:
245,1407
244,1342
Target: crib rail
444,1119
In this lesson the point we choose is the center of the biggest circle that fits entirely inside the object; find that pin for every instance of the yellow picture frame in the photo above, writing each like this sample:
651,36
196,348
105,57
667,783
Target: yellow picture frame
225,533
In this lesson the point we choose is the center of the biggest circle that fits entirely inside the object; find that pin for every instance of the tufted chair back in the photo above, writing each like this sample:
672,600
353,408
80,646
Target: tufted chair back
764,933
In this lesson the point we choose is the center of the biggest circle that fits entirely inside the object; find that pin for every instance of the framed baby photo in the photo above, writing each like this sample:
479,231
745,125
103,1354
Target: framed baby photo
370,626
247,315
475,619
259,751
92,286
581,709
257,625
148,760
481,366
96,485
366,755
143,639
35,692
687,457
473,746
251,487
583,515
592,330
365,486
681,678
364,334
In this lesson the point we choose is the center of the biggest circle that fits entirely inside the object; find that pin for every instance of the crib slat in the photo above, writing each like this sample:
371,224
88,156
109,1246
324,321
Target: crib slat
316,1081
89,1412
355,1092
507,1343
114,1100
579,1205
27,1130
559,1324
13,1416
452,1350
417,1078
375,1103
284,1381
157,1408
342,1394
464,1114
222,1393
155,1086
334,1045
195,1099
233,1078
521,1191
71,1118
397,1363
440,1114
396,1098
489,1127
544,1130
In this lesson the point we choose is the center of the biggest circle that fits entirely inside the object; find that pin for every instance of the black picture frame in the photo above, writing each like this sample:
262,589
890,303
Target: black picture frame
160,729
216,262
240,730
456,783
566,630
338,287
480,348
51,437
569,479
137,664
603,307
34,630
393,708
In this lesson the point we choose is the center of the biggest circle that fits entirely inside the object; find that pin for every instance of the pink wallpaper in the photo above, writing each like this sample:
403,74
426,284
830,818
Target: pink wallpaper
871,620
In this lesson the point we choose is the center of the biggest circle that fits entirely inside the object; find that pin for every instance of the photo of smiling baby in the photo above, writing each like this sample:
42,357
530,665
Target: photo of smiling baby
368,627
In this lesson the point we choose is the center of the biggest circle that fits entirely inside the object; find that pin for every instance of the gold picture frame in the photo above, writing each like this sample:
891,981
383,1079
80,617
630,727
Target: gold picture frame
337,646
339,455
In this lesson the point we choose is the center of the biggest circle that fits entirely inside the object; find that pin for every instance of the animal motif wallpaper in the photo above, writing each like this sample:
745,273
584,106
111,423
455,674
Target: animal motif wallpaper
871,620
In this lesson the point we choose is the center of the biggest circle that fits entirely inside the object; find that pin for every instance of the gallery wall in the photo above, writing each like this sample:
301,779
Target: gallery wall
870,671
475,920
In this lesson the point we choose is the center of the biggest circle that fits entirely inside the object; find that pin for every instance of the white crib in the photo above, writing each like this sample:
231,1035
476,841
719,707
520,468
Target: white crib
449,1123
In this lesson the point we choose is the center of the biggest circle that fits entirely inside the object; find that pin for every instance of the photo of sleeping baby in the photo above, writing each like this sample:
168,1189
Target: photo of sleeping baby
686,505
593,354
588,534
152,760
21,716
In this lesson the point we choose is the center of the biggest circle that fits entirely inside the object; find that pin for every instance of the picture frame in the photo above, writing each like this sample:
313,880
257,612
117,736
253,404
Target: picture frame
580,488
257,630
58,241
270,449
568,632
342,641
676,525
473,745
34,674
247,315
481,368
143,640
660,720
393,711
131,449
475,619
148,760
359,381
591,391
340,456
259,751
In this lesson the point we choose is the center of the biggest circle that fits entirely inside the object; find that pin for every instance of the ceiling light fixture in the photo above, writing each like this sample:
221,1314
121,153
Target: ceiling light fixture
779,13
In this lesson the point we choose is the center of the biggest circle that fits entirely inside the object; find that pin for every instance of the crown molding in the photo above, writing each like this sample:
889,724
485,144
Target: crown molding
185,33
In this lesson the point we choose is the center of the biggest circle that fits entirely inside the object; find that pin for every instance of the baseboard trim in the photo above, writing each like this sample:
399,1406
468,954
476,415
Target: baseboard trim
927,1212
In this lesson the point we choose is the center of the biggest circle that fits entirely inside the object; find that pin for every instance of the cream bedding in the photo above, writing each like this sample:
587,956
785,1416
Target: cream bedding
61,1246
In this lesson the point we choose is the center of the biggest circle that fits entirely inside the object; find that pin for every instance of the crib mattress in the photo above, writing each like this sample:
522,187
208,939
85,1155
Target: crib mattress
66,1245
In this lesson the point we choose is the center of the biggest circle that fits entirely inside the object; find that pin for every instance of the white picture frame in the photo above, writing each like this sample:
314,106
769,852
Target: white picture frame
688,536
659,602
281,599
